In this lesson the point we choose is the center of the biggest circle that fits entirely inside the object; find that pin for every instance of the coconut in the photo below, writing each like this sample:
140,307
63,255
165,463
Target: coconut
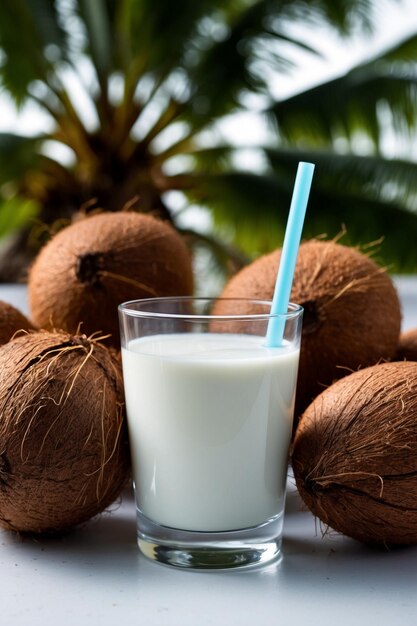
11,322
63,442
355,455
407,346
352,314
90,267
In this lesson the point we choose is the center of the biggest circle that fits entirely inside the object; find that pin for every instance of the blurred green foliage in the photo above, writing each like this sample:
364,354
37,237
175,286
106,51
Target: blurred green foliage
156,80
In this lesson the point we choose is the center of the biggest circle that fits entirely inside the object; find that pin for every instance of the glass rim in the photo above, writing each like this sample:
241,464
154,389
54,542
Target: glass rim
125,308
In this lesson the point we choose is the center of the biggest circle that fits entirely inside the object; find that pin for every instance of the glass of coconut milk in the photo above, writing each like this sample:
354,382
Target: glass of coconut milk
210,412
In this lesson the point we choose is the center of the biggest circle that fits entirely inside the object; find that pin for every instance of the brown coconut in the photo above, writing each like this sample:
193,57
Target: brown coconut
11,322
407,346
352,314
90,267
355,455
63,442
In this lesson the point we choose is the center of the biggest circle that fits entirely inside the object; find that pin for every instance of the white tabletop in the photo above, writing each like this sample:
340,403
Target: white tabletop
96,575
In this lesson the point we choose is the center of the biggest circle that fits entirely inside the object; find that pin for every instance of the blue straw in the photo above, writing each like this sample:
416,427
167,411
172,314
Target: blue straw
276,325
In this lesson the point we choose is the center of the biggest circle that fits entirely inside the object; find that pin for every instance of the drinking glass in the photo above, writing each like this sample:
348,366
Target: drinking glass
210,412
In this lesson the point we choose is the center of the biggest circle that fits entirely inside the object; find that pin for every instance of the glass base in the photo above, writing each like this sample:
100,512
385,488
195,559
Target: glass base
245,548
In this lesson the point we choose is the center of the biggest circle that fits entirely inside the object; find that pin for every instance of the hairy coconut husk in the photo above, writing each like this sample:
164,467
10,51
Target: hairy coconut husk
11,322
352,314
63,442
90,267
407,346
355,455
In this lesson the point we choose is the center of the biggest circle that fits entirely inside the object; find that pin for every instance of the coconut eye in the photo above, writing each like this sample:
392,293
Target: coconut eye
90,267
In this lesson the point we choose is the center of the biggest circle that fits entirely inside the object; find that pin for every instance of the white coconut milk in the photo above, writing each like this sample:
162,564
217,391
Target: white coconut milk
210,420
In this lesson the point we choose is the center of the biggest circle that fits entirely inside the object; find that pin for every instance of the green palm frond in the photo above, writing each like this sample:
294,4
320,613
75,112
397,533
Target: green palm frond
224,48
30,39
371,197
347,16
45,15
151,41
16,213
352,102
158,79
212,160
18,154
374,177
366,221
224,254
254,210
254,41
343,106
249,209
404,51
97,22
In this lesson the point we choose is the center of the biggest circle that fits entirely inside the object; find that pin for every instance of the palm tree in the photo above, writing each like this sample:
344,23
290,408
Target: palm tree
133,90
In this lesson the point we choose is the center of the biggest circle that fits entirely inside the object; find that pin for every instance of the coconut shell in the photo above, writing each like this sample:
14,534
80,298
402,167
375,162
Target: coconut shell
352,314
11,322
90,267
355,455
63,441
407,346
